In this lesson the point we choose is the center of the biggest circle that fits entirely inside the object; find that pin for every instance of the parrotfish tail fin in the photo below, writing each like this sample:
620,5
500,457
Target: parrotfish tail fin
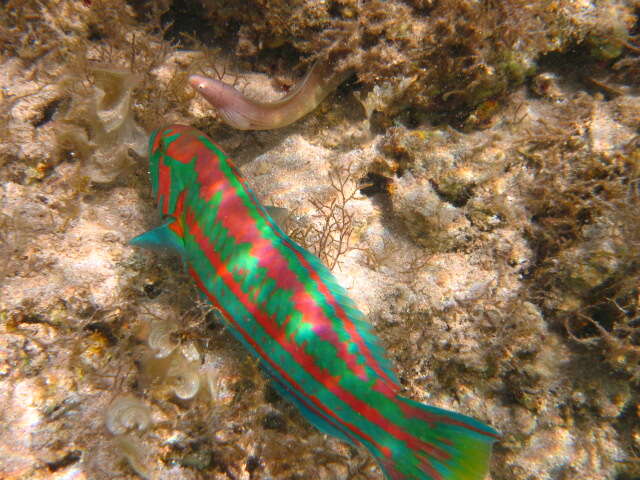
439,445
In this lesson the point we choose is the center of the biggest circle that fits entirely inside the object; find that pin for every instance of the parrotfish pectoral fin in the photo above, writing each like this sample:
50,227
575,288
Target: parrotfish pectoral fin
161,238
441,445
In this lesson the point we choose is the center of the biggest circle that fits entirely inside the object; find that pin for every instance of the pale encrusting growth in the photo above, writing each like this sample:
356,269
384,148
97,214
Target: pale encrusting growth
127,413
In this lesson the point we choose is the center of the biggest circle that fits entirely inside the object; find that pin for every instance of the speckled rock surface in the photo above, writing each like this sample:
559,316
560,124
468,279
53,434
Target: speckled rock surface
494,247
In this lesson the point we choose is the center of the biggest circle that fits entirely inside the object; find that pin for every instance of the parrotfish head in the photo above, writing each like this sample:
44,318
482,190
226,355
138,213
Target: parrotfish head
173,152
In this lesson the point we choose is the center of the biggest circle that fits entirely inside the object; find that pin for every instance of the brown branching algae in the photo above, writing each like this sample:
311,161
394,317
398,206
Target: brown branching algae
494,243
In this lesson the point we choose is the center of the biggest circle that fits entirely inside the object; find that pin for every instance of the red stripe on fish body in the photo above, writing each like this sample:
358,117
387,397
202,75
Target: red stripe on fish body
288,311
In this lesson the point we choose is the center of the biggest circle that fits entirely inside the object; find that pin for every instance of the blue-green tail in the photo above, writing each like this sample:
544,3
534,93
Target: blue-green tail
440,445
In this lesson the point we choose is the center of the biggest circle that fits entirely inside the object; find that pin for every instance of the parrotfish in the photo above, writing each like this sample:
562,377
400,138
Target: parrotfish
289,312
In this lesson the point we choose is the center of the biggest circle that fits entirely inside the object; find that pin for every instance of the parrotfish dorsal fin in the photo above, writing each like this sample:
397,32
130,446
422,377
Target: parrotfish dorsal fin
165,237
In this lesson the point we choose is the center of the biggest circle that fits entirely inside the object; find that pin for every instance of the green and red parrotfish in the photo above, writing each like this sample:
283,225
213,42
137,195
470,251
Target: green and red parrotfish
289,312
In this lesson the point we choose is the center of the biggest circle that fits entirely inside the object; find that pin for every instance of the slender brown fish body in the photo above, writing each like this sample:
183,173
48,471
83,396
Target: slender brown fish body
244,113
